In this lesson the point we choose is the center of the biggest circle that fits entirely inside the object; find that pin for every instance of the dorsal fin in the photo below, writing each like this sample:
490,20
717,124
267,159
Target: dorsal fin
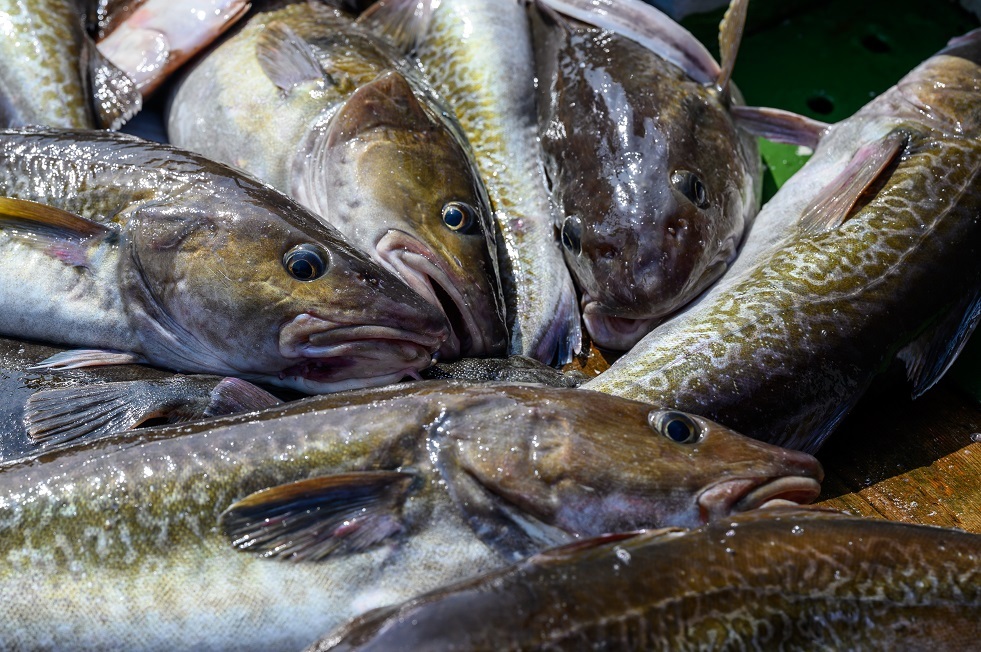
730,36
115,96
287,59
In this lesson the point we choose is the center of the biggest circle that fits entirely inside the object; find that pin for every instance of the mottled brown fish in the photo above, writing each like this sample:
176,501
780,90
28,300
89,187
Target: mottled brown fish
655,183
261,532
144,252
871,253
775,579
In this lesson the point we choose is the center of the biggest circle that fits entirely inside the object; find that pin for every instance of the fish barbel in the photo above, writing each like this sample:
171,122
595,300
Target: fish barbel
487,75
328,113
773,579
870,253
166,257
262,531
656,184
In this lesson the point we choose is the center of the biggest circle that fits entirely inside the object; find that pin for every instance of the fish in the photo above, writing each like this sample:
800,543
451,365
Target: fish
328,113
52,74
497,111
787,579
655,181
143,252
262,531
514,369
41,408
866,260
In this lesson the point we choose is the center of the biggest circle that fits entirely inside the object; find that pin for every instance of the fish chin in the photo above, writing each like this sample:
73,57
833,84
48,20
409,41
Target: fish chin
415,263
743,494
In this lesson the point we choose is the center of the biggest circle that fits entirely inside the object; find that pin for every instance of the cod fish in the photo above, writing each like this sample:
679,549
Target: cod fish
51,72
147,253
39,408
262,531
656,185
868,255
774,579
487,73
328,113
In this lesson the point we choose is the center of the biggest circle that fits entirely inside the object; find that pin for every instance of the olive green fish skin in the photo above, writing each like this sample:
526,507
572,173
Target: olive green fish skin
772,580
789,340
41,49
497,110
116,543
191,275
364,144
655,184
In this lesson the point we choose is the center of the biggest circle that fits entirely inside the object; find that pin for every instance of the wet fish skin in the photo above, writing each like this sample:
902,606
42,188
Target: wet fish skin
136,517
183,266
338,120
655,183
788,341
771,579
497,111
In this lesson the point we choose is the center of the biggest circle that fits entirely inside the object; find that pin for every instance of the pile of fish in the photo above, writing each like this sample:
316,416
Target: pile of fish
418,212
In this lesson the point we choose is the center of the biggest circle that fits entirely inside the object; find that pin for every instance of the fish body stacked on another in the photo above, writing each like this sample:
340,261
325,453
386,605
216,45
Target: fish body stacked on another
51,73
329,113
655,183
870,253
479,55
341,503
775,579
166,257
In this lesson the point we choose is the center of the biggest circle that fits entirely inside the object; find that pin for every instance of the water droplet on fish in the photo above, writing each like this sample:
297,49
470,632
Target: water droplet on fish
797,530
976,437
623,555
730,551
731,533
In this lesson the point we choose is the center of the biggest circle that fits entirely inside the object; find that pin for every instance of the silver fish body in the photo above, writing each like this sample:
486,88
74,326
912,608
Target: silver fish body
113,243
262,531
814,309
327,112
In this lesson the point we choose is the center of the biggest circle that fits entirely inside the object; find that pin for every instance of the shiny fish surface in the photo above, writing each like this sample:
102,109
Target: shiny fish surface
145,252
872,252
775,579
330,114
342,503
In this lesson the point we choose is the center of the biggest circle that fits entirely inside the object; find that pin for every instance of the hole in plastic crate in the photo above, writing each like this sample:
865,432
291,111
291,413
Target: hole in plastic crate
820,104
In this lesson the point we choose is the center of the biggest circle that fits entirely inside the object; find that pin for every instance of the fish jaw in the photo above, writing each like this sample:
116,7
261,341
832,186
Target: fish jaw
610,331
471,334
331,356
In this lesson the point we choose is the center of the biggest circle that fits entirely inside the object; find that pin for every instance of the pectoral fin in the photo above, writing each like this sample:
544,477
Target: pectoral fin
47,222
403,22
834,204
78,358
929,356
779,126
234,395
287,59
320,517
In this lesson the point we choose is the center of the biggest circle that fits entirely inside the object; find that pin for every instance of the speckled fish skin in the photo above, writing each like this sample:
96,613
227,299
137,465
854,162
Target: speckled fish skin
497,111
357,138
117,543
41,43
190,271
788,341
655,184
772,579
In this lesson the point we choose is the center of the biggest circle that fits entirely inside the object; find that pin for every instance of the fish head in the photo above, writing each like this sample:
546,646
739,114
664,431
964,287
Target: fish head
256,286
589,463
400,181
654,183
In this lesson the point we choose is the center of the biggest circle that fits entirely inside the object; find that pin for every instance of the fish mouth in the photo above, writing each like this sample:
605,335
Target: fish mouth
743,494
611,332
418,266
334,357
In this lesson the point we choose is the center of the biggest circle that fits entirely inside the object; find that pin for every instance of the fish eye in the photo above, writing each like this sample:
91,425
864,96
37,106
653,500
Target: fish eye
458,216
691,187
306,262
676,426
572,234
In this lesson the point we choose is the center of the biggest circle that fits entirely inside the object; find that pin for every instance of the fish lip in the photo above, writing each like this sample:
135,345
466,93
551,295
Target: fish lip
743,494
418,266
613,332
320,344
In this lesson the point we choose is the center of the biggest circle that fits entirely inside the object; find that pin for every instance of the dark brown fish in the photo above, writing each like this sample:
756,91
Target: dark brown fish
775,579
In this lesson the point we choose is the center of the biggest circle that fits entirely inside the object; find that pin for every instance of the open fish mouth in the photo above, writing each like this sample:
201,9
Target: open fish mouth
334,358
416,265
744,494
612,332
